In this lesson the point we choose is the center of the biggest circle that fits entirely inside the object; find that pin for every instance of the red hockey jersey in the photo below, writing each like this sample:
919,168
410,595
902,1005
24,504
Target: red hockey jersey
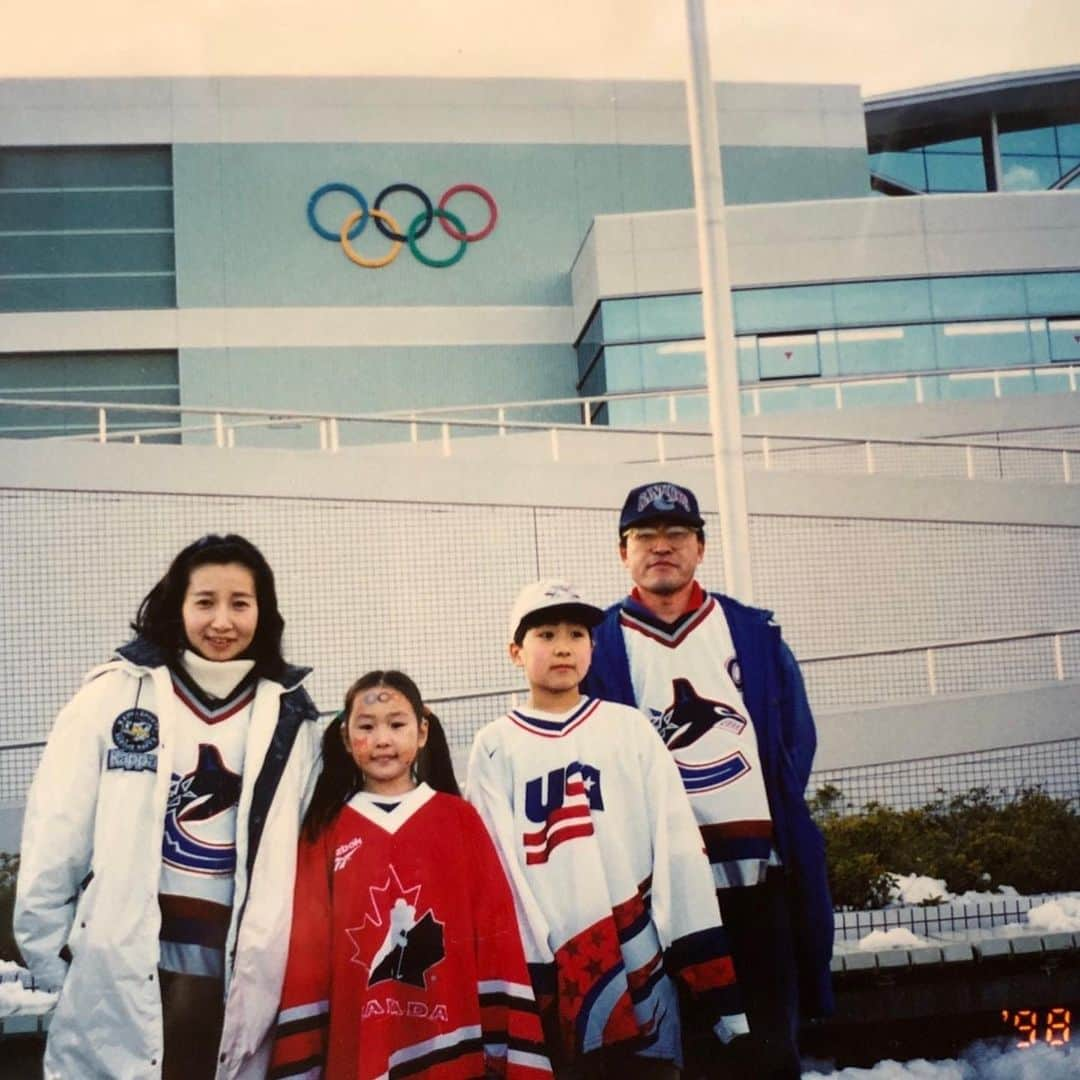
405,957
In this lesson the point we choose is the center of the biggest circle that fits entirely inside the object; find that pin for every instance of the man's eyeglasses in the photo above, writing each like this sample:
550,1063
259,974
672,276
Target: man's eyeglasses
673,534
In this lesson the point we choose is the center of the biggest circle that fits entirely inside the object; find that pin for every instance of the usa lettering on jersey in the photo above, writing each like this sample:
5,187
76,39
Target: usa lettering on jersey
561,803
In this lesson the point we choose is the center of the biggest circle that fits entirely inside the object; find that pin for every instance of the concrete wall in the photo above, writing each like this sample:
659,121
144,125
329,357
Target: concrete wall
840,240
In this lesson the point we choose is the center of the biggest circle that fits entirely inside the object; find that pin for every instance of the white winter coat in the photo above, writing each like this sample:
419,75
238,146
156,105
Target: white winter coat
91,860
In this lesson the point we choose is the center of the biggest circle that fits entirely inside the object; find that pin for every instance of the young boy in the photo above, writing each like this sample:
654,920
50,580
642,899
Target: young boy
614,893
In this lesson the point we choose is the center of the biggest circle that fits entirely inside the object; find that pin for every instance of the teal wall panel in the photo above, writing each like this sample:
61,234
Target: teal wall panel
86,228
243,238
761,174
374,379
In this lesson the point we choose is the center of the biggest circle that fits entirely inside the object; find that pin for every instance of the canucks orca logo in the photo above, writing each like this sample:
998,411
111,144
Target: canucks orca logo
195,799
406,945
690,716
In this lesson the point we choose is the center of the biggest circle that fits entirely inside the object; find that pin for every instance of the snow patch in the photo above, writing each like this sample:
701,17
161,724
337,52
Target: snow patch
984,1061
917,889
16,999
1061,915
896,938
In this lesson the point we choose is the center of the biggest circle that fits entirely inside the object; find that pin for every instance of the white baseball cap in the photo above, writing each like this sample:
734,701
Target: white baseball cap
541,595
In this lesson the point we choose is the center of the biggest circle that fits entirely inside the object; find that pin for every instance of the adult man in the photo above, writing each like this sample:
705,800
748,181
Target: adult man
725,693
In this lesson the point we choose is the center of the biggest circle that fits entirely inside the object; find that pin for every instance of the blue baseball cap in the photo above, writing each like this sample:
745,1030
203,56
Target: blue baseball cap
661,501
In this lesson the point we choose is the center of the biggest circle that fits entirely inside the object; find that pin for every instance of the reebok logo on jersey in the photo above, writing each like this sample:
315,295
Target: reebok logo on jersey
564,810
344,852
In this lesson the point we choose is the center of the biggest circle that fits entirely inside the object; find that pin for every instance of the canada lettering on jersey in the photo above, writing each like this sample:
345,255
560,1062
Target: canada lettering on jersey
561,803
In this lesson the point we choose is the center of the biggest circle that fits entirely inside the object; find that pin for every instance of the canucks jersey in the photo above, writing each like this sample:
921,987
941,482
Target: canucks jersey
686,678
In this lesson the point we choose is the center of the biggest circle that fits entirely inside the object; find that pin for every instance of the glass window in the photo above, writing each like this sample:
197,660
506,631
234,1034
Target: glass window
1064,338
671,316
955,172
1033,141
623,365
791,308
134,378
596,381
87,228
590,343
1068,139
1053,294
788,356
1028,173
620,320
978,297
882,349
984,344
863,303
668,364
908,168
970,145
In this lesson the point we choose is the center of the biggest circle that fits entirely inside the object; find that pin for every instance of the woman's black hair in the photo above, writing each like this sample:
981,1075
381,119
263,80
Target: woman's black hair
160,619
340,779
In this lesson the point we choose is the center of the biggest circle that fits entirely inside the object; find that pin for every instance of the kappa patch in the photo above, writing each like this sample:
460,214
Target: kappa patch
135,734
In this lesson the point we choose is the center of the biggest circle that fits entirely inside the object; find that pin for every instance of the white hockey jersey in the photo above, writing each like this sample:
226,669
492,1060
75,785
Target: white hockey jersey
613,889
687,681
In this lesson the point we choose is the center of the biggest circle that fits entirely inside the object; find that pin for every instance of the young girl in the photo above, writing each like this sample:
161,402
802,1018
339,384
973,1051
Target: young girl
159,844
405,957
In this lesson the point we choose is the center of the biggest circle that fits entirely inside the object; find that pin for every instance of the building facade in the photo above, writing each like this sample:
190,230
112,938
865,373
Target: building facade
179,241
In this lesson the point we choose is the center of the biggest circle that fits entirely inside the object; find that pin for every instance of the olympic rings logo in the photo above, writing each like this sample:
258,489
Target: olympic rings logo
355,223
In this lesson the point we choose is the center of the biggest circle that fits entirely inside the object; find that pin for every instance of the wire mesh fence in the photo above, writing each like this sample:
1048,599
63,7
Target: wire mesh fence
1051,767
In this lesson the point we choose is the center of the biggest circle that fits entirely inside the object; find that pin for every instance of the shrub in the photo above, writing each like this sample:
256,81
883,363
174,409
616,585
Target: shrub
9,871
972,841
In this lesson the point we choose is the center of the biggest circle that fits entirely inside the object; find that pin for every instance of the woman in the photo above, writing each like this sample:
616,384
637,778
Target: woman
159,845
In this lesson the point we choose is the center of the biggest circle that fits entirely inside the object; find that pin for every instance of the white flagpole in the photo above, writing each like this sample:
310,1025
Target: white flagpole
721,359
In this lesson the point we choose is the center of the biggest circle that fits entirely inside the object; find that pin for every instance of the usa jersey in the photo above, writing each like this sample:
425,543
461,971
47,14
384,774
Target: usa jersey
405,957
686,679
613,889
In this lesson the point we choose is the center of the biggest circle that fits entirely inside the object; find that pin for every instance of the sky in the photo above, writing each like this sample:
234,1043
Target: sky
881,45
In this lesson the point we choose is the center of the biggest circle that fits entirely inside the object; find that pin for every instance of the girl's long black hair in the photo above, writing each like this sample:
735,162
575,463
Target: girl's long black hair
160,621
340,779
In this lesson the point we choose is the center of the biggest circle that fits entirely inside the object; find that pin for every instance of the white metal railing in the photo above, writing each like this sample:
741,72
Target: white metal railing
755,393
927,653
972,459
669,396
931,652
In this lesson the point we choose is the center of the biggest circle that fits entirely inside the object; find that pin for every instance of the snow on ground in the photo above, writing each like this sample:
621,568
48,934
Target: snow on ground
980,1062
917,889
15,998
896,938
1056,916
